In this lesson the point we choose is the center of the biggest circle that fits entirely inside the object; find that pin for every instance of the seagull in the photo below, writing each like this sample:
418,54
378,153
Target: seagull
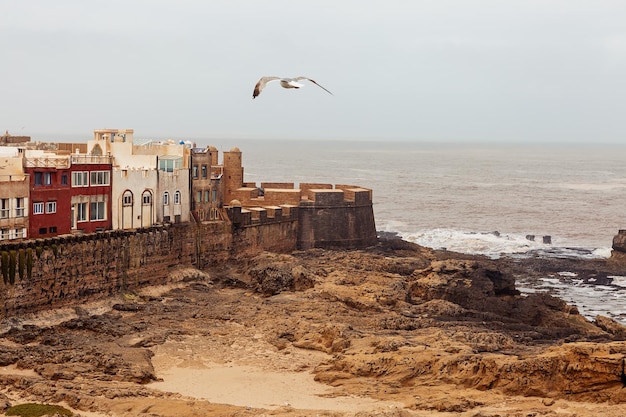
284,82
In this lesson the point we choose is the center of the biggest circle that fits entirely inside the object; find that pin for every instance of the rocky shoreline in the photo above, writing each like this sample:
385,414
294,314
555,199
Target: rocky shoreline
399,329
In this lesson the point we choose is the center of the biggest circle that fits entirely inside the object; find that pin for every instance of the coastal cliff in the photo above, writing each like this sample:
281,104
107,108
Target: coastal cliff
392,330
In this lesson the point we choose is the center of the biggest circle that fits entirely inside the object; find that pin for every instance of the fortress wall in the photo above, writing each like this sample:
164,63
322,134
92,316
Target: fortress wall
337,219
61,271
280,185
214,243
258,229
274,237
49,273
306,186
349,187
278,196
359,196
326,197
56,272
259,214
244,195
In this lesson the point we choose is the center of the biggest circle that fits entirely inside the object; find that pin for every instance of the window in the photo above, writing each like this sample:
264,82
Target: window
4,234
81,212
53,229
97,211
51,207
100,178
146,198
127,199
4,208
166,198
199,197
20,233
214,196
194,171
38,178
47,178
206,196
19,207
203,171
80,179
38,208
177,197
43,230
64,179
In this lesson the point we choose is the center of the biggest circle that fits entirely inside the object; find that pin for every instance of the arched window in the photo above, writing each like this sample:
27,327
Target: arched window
127,198
166,198
177,197
146,198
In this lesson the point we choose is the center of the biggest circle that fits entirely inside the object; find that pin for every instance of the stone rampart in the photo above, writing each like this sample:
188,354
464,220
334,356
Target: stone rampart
48,273
278,196
281,185
337,218
55,272
306,186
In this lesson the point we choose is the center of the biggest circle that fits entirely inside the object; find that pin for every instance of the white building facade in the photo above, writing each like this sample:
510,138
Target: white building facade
150,180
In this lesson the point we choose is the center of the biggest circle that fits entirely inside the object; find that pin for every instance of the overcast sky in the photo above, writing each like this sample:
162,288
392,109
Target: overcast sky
418,70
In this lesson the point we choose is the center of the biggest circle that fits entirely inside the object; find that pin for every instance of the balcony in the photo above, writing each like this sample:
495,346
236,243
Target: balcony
62,162
90,159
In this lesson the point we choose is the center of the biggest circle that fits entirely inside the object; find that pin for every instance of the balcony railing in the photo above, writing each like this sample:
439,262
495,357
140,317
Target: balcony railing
14,178
47,162
91,159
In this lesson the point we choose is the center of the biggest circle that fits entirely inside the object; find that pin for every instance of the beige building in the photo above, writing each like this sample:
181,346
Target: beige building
14,195
150,179
206,184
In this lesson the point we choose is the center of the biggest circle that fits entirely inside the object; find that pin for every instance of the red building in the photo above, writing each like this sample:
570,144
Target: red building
49,194
90,199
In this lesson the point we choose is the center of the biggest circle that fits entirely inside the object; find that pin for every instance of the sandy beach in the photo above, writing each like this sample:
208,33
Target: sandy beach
267,379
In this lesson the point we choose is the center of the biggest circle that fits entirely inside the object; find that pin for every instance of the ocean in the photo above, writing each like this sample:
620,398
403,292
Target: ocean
490,199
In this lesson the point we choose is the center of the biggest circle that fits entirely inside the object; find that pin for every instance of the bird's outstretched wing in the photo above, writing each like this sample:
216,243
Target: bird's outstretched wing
314,82
261,84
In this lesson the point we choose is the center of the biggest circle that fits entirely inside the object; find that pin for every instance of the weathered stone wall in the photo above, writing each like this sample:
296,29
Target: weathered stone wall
48,273
272,229
56,272
337,219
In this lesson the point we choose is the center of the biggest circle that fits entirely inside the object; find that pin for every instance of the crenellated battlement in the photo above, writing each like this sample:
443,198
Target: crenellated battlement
276,194
252,216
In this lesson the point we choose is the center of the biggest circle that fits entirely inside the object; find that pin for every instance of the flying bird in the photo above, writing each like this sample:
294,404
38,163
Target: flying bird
284,82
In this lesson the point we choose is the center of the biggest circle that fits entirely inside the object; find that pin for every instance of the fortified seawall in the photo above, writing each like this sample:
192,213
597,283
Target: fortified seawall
56,272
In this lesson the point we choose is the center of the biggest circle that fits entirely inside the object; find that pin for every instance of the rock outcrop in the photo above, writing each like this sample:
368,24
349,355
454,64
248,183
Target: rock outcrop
436,331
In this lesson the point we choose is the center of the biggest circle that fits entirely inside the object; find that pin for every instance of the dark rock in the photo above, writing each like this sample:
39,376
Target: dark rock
611,326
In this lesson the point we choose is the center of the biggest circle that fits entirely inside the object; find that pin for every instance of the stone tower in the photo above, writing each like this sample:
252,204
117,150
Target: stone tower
233,173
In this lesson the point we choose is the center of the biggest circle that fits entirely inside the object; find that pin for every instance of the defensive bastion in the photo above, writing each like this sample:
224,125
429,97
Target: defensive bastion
61,271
